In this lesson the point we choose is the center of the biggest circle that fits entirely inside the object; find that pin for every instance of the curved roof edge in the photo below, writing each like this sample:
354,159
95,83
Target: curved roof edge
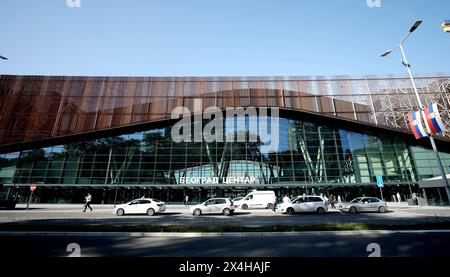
348,124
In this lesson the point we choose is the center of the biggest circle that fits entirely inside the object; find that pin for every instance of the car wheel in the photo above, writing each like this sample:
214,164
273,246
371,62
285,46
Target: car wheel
353,210
244,207
382,209
120,212
270,206
151,212
320,210
226,211
197,212
290,211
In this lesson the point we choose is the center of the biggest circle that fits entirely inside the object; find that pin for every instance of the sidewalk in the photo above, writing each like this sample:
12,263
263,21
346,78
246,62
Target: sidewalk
107,208
399,205
65,207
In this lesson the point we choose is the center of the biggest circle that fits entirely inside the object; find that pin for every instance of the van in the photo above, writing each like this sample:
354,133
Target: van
256,199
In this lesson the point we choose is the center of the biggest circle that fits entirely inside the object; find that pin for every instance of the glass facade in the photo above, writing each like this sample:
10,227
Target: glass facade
309,155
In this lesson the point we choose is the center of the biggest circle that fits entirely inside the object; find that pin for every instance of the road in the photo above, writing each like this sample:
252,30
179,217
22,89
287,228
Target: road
179,215
306,244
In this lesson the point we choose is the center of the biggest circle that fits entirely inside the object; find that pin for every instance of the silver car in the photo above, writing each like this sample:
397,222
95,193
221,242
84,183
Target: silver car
304,203
364,204
213,206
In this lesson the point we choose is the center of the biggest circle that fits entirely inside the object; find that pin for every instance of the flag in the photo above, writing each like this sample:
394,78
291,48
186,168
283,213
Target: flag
415,122
434,119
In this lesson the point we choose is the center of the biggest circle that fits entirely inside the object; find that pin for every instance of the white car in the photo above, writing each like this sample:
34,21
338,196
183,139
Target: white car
148,206
364,204
213,206
237,201
256,200
304,203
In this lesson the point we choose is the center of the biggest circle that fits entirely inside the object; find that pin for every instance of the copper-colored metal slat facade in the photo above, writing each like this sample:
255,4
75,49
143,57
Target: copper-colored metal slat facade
40,107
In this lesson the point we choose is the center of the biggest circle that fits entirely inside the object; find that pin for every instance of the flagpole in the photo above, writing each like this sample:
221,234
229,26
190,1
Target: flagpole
428,130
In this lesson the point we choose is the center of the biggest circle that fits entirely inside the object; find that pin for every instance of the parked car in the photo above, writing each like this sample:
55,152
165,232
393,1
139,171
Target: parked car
215,206
148,206
304,203
255,200
237,200
364,204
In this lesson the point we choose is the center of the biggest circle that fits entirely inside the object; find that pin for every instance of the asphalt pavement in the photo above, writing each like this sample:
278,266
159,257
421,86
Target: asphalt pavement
179,215
306,244
292,244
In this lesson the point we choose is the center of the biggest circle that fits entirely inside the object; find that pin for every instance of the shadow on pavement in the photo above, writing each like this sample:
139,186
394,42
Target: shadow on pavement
275,246
20,209
145,215
216,214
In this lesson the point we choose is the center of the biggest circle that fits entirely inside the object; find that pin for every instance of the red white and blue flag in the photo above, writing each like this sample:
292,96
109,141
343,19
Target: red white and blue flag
434,119
415,122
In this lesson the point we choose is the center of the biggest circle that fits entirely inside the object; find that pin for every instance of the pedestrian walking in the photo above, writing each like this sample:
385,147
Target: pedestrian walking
399,198
186,201
274,203
394,199
286,199
414,197
88,200
332,201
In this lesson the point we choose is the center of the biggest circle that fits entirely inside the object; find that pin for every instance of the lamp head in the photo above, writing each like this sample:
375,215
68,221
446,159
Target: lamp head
415,26
386,53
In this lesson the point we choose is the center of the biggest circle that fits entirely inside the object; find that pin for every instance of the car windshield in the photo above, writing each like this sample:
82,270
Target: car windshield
295,199
208,202
356,200
156,200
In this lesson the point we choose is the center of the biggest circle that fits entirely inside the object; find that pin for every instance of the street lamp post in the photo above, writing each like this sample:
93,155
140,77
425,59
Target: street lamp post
304,180
419,102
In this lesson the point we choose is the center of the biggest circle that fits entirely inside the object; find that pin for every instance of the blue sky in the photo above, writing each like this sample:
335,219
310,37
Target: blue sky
220,38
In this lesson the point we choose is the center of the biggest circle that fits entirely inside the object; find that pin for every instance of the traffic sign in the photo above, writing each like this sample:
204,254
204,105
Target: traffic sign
380,181
32,187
